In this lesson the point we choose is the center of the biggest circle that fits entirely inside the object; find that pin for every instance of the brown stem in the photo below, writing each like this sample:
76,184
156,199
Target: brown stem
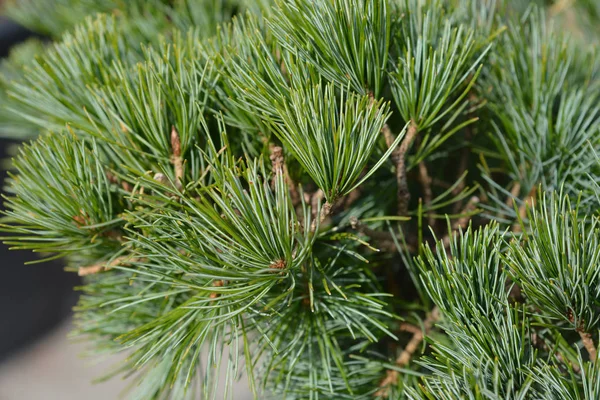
114,180
588,343
176,159
409,350
325,211
102,266
388,135
126,186
399,158
279,167
410,328
277,160
426,180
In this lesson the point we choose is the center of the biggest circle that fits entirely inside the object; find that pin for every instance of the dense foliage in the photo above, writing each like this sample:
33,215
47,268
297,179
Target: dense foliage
339,198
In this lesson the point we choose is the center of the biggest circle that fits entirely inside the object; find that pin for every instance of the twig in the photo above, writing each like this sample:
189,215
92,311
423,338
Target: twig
410,328
114,180
126,186
411,347
325,211
277,160
103,266
176,159
588,343
279,167
399,158
529,202
418,337
426,180
388,135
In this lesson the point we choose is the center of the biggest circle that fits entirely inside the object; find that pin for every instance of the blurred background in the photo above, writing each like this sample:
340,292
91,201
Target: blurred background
37,359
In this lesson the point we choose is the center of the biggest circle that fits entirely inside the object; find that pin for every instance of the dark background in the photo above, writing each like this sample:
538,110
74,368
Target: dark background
33,298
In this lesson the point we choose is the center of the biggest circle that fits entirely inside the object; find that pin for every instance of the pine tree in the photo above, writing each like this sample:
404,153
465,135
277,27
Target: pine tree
349,199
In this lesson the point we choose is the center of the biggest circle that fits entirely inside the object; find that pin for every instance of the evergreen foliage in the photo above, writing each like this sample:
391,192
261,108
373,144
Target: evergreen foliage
347,199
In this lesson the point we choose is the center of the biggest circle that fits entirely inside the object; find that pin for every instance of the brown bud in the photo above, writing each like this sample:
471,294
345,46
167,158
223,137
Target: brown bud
279,264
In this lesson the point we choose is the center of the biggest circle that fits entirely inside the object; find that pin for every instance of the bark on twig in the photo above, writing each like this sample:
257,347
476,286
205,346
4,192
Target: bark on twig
325,211
588,343
399,159
277,160
426,180
279,167
409,350
176,157
388,135
103,266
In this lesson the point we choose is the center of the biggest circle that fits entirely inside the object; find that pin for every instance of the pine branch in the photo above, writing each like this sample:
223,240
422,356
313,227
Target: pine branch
318,32
202,157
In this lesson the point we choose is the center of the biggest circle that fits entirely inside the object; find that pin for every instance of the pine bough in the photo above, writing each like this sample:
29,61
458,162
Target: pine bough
342,199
